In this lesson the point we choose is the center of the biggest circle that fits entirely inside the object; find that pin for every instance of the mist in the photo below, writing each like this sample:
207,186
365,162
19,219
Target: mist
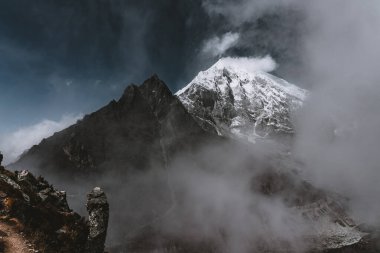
216,199
212,196
339,129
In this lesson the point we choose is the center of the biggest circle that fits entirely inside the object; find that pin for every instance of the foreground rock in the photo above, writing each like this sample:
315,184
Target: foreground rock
98,209
37,218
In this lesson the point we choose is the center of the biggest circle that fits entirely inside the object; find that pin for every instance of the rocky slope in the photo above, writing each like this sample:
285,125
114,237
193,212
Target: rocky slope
236,103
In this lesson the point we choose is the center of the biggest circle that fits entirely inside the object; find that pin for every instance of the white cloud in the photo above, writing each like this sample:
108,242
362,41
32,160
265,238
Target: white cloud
14,144
218,45
249,64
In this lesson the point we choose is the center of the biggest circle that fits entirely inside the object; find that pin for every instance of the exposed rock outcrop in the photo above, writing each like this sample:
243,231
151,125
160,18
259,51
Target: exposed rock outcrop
98,209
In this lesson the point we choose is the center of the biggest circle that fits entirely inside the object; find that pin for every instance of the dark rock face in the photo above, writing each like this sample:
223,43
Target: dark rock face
98,209
146,125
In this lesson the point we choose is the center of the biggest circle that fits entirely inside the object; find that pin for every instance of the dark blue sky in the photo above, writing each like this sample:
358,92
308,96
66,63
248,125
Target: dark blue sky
72,56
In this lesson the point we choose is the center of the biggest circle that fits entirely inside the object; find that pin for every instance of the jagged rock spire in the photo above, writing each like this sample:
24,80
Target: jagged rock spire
98,209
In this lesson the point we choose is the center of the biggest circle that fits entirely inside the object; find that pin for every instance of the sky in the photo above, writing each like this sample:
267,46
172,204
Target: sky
60,58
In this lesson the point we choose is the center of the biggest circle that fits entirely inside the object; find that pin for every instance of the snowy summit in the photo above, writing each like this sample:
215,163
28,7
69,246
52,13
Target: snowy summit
237,97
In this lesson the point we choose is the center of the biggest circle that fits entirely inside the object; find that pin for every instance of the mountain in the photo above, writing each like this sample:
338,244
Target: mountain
165,162
234,102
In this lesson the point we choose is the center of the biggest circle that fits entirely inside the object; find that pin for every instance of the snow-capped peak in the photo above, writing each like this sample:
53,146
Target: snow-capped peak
237,97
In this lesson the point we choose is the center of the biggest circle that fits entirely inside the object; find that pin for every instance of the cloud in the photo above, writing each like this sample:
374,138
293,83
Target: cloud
219,45
242,11
14,144
339,131
249,64
274,27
